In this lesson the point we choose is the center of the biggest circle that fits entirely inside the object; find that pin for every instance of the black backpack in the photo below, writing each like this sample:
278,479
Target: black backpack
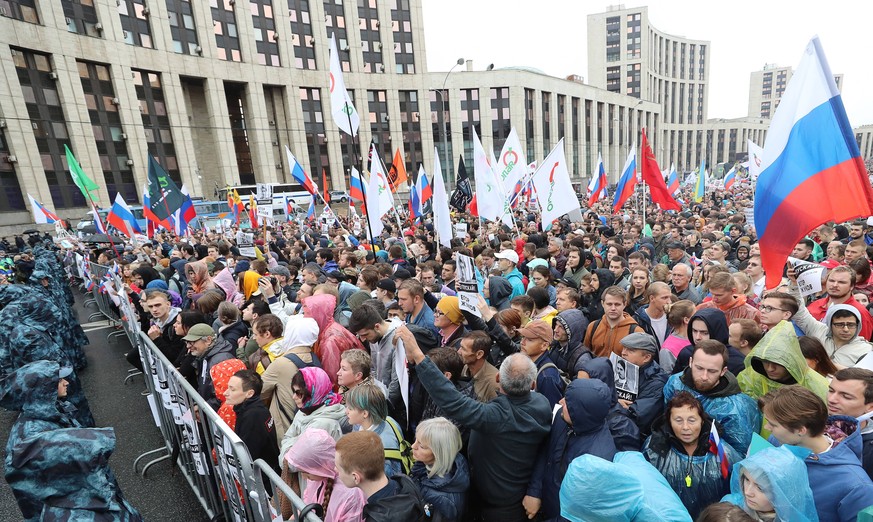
298,362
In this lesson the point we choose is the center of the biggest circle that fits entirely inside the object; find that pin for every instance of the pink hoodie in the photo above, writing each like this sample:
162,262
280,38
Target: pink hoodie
314,453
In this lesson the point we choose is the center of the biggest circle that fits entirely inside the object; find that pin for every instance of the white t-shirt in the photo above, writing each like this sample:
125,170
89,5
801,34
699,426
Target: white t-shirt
660,328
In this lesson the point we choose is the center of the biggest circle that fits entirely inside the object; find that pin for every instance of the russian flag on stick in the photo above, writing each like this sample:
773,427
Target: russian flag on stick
673,182
730,178
717,448
121,217
628,181
812,171
40,213
597,187
299,174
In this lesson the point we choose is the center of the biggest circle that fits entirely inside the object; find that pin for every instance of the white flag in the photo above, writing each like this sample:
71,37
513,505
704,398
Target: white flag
489,193
442,219
378,194
756,159
555,193
511,165
344,114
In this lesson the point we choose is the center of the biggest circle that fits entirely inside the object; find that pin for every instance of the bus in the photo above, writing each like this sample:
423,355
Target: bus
294,191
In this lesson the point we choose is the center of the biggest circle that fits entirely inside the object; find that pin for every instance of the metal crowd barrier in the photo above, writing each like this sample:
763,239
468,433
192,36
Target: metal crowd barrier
213,459
100,296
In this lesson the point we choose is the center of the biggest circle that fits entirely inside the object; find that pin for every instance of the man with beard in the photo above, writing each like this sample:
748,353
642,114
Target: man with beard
840,283
708,379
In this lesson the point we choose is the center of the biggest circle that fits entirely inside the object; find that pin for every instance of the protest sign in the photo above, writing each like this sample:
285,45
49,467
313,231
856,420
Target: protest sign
808,275
466,285
627,377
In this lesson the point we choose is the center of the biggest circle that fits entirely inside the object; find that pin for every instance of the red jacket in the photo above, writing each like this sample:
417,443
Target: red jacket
819,308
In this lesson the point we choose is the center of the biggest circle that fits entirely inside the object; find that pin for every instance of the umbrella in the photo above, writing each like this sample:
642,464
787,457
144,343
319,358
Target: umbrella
31,231
102,238
89,229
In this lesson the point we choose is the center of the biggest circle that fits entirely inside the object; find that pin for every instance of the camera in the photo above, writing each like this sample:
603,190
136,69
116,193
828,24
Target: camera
271,280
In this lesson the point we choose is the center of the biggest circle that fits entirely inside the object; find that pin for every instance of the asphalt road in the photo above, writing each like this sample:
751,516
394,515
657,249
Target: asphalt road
163,494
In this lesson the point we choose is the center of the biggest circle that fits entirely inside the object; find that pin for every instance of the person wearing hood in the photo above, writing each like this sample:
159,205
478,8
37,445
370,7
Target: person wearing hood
314,456
839,333
709,323
292,352
56,469
603,335
592,305
641,349
440,470
507,262
199,281
679,448
224,280
772,485
221,374
498,291
707,378
208,350
777,361
567,350
575,269
625,432
579,428
829,446
333,339
722,287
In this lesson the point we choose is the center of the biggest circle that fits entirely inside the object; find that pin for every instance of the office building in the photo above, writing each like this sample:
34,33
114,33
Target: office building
767,86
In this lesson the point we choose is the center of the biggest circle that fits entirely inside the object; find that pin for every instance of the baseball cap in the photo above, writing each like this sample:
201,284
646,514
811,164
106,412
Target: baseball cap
537,329
387,284
568,282
199,331
336,274
675,244
402,273
640,341
509,255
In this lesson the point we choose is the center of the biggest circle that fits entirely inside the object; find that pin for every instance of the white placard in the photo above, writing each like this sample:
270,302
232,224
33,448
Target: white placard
263,191
627,377
808,275
466,285
265,211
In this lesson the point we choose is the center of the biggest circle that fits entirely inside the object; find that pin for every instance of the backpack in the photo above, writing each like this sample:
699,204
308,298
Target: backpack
298,362
564,379
404,453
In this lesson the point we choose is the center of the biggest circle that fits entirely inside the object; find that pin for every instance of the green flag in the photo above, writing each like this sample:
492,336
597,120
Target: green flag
79,177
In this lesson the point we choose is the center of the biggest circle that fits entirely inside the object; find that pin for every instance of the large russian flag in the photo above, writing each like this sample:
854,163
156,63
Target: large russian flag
628,181
356,187
41,215
299,174
597,187
730,178
673,181
812,171
121,217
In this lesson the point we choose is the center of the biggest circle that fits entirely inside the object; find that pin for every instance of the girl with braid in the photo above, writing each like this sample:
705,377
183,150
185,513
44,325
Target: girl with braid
313,456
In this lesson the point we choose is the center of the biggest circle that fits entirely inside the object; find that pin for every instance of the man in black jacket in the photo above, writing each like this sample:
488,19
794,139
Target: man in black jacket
209,350
360,463
505,433
161,332
254,424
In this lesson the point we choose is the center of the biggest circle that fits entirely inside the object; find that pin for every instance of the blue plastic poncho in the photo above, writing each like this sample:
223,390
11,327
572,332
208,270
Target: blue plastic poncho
627,489
783,478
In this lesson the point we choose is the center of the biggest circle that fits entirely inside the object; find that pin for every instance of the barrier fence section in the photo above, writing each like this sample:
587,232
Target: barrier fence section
213,459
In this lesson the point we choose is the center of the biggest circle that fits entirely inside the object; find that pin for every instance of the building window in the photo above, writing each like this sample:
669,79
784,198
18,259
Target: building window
24,10
313,126
81,17
633,79
547,122
613,79
469,119
368,22
43,105
11,198
277,112
410,126
438,116
574,130
500,123
156,121
562,119
108,133
301,34
182,27
135,22
226,36
529,122
401,27
377,102
235,94
335,20
264,26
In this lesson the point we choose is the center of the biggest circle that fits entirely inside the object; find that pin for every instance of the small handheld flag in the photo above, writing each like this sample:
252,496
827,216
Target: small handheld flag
717,448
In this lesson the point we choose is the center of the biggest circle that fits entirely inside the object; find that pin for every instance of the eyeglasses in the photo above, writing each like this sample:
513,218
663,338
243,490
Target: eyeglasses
298,393
437,313
845,326
767,309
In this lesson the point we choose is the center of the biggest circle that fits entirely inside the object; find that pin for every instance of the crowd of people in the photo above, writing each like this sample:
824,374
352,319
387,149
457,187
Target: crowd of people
611,368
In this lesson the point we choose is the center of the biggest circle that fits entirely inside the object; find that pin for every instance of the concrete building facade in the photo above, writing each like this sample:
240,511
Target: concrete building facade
767,86
216,90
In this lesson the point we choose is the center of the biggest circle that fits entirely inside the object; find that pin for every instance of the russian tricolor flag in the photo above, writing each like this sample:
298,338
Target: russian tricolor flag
414,200
121,217
425,192
628,181
717,448
597,187
730,178
356,187
812,171
299,174
41,215
673,181
310,213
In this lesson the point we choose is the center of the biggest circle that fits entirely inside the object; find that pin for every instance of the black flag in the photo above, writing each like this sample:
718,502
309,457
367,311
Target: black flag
463,194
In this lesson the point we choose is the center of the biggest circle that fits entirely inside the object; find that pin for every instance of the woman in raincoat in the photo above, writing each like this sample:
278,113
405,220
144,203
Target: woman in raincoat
772,485
56,469
679,448
313,456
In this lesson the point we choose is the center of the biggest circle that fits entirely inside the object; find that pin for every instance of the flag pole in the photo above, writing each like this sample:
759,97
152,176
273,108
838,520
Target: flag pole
353,145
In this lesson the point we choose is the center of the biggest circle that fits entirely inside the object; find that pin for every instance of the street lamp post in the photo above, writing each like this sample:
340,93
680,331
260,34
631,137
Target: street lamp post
443,115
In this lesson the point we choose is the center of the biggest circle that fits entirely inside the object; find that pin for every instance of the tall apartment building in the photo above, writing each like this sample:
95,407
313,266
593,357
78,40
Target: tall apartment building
864,137
216,90
767,86
628,55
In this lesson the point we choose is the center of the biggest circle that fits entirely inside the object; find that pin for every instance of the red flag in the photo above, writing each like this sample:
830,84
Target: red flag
326,187
474,207
253,212
397,171
652,176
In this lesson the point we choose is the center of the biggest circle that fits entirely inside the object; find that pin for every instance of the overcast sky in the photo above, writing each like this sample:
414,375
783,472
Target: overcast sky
551,35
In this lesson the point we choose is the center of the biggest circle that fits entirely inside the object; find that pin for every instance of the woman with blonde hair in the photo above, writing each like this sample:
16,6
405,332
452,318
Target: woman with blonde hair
440,471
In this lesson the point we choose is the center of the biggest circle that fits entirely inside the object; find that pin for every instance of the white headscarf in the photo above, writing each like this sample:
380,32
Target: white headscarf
299,331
